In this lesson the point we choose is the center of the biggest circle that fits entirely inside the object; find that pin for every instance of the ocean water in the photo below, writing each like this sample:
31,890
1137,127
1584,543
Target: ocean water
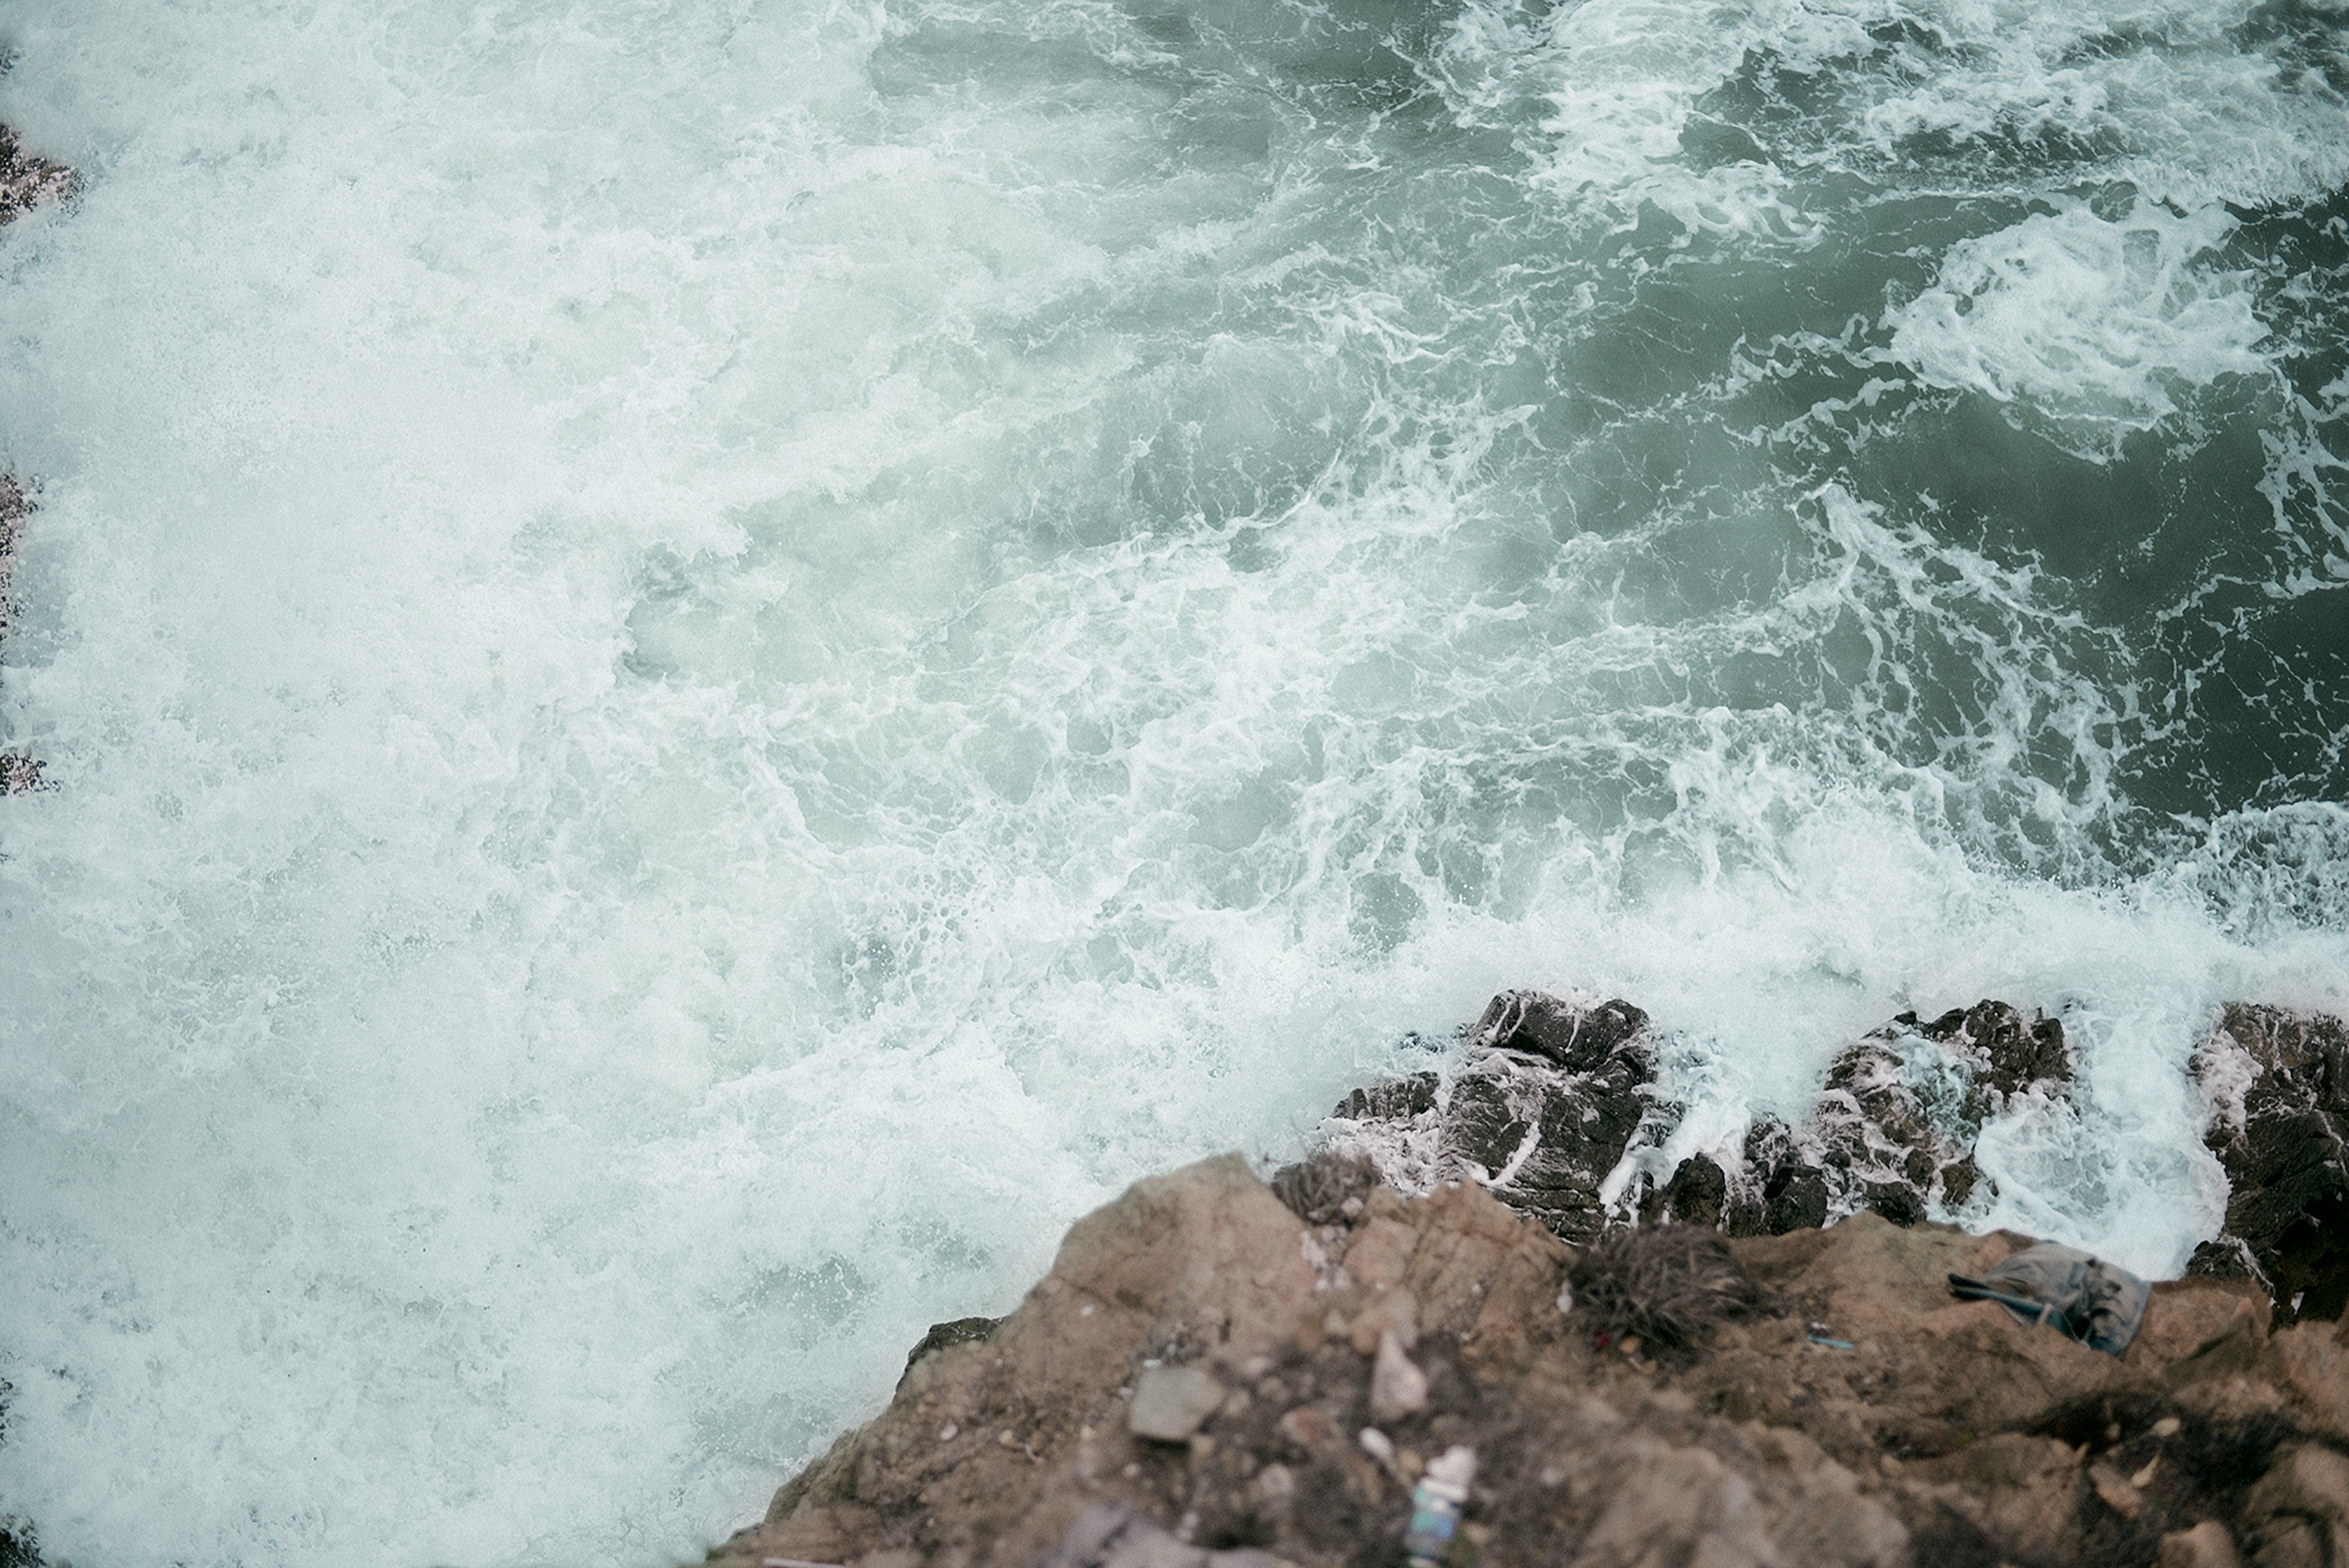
708,663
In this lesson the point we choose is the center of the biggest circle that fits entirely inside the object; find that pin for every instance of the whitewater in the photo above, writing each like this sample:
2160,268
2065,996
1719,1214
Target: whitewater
703,665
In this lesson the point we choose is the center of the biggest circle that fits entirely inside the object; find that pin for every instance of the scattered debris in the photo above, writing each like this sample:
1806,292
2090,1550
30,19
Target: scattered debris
1436,1504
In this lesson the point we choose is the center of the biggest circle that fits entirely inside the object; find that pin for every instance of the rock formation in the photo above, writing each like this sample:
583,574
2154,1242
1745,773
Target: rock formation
25,182
2277,1085
1553,1093
1549,1094
1893,1129
17,772
1198,1383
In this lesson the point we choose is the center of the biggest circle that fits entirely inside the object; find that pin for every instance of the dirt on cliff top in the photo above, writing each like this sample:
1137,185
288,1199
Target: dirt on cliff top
1825,1401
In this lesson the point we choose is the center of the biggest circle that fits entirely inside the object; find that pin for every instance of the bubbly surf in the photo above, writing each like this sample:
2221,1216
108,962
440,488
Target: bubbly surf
707,665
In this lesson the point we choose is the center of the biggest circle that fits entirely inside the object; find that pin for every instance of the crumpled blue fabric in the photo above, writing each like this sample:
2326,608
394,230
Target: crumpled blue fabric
2098,1304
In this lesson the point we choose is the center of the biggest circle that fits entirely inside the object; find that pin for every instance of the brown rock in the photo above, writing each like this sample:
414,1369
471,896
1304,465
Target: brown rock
1946,1432
2307,1481
2207,1545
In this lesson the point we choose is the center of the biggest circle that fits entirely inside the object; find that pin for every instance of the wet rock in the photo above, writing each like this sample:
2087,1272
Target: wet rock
2277,1085
1697,1194
18,772
1893,1132
27,181
1550,1093
1554,1091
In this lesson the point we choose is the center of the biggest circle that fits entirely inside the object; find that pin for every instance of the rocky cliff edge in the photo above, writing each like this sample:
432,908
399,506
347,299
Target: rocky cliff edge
1206,1371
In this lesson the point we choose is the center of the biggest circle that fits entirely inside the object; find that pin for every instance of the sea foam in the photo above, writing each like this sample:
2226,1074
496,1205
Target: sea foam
707,667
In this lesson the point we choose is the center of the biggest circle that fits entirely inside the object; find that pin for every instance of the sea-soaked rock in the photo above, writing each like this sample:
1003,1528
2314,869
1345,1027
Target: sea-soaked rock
18,772
27,181
2277,1085
1831,1404
1893,1132
1550,1091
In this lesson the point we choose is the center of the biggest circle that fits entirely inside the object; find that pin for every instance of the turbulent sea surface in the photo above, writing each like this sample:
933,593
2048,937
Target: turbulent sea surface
708,663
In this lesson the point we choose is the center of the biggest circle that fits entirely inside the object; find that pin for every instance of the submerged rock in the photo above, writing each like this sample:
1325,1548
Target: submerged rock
2277,1086
1840,1407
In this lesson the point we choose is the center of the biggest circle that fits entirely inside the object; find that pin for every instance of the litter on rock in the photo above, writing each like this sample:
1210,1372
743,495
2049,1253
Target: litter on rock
2096,1303
1435,1505
1832,1344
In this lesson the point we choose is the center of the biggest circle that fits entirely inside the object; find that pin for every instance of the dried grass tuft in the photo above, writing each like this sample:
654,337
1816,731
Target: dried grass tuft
1672,1285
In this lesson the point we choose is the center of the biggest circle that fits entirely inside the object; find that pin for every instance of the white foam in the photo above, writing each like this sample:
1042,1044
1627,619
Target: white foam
2099,324
696,697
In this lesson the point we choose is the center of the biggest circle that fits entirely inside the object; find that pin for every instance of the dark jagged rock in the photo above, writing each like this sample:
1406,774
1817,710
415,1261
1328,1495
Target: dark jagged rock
1552,1093
27,181
1578,1037
2277,1083
1893,1132
1398,1100
1696,1194
20,774
1549,1094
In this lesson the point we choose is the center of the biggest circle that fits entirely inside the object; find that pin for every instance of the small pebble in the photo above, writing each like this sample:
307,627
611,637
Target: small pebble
2167,1426
947,1433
